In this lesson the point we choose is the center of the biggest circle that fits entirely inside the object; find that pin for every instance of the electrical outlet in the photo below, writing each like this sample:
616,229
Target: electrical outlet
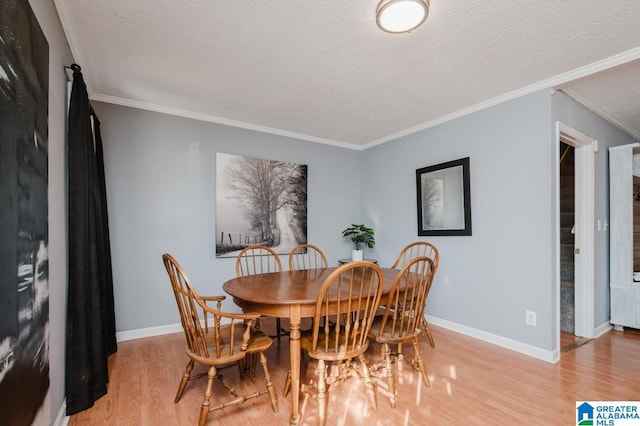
530,318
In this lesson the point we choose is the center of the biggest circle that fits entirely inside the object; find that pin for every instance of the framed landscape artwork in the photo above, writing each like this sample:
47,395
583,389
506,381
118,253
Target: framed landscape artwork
444,204
259,201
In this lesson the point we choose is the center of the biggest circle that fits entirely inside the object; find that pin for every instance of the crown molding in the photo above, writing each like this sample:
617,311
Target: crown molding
218,120
553,82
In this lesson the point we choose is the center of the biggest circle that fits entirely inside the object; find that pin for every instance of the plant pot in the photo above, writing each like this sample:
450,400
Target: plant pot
356,255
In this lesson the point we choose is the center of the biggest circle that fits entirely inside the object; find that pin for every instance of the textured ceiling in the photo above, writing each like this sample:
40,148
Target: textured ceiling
322,71
613,94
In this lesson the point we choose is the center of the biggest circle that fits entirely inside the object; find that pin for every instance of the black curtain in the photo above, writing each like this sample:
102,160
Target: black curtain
91,331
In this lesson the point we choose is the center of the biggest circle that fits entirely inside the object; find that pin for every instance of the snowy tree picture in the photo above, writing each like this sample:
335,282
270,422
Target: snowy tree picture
259,202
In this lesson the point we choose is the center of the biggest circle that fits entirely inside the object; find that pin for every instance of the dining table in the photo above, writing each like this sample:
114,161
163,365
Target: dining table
292,295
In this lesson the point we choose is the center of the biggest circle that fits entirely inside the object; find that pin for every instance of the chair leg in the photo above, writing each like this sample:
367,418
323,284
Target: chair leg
287,384
419,362
425,327
400,354
303,368
322,393
390,379
204,409
183,382
278,329
367,382
241,368
249,364
267,380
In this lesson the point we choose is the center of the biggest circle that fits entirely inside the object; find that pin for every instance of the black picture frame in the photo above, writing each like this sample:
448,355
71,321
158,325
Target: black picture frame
444,199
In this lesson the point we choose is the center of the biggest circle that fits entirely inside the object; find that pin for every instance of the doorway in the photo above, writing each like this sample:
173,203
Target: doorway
567,243
575,271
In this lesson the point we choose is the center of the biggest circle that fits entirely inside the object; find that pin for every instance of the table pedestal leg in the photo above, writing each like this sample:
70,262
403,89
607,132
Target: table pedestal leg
294,359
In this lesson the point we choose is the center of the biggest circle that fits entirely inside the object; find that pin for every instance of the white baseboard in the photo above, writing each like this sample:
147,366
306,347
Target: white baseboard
523,348
62,419
139,333
602,329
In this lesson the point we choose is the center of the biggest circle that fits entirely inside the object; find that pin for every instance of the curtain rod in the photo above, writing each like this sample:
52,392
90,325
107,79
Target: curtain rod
74,67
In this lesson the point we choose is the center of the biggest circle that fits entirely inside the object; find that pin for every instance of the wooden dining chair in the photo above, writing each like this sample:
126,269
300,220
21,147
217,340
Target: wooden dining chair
307,256
227,342
402,319
417,249
259,259
345,308
411,251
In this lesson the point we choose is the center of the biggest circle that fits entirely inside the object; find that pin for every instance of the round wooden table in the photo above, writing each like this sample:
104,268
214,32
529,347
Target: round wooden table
292,295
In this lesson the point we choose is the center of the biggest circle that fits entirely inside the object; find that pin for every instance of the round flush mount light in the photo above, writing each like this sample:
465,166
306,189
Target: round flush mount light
401,16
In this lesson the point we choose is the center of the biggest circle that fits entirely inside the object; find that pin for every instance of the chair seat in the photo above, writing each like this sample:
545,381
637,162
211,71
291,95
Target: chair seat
258,342
306,342
388,335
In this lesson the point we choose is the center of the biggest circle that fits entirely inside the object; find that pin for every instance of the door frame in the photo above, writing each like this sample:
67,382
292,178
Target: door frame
585,148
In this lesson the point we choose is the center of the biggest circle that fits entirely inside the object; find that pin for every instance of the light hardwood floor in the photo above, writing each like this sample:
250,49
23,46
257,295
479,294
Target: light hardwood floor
472,382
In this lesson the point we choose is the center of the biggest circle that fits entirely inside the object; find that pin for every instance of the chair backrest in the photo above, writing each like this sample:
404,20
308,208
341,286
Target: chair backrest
257,259
307,256
405,304
417,249
345,309
229,336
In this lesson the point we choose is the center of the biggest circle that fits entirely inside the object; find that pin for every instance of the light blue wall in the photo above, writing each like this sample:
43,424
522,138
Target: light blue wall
488,280
573,114
160,173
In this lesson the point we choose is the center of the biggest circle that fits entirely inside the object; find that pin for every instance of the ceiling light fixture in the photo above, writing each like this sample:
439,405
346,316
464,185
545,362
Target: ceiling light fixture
401,16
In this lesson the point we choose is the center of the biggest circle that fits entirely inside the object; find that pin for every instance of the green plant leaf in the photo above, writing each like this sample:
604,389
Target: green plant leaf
360,234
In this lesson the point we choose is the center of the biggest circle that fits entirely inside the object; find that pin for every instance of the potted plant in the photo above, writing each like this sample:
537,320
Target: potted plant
361,235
